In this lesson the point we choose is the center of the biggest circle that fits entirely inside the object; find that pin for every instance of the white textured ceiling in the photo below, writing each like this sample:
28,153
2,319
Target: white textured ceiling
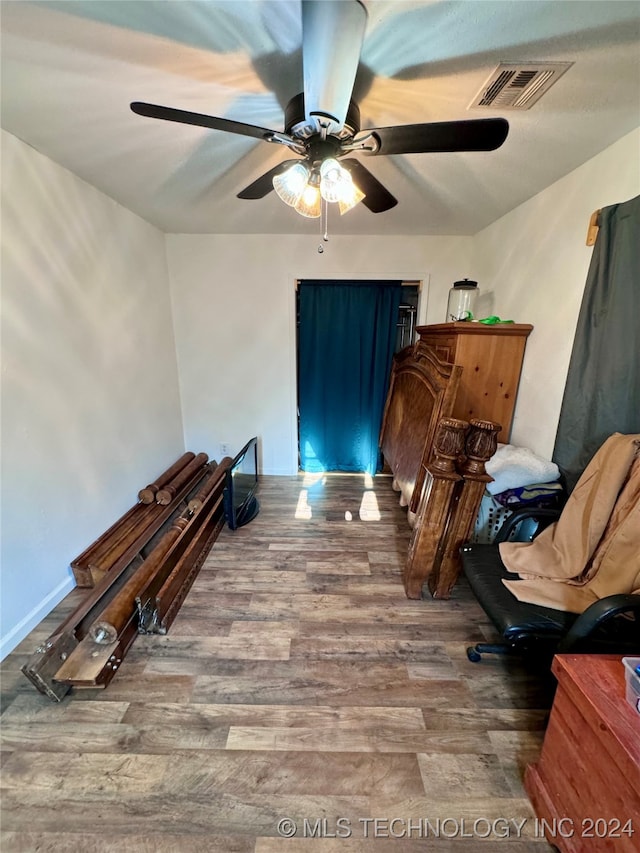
71,68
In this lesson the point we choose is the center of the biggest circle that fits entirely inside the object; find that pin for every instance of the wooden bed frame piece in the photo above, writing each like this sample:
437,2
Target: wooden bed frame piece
481,442
422,390
136,528
148,494
88,647
455,480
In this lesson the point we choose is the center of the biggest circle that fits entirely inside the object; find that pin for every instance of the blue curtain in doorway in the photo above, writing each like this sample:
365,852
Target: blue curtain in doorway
347,333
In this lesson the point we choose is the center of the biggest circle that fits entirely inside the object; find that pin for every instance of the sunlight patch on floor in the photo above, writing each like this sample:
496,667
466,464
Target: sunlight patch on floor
303,510
368,510
369,507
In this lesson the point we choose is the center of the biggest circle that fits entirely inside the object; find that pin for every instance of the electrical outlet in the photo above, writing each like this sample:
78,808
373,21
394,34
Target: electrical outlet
224,449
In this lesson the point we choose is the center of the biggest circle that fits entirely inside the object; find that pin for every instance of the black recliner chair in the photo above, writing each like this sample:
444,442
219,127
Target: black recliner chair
610,625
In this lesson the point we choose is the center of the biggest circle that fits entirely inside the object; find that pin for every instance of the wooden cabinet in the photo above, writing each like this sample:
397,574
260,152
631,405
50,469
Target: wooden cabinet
491,360
585,788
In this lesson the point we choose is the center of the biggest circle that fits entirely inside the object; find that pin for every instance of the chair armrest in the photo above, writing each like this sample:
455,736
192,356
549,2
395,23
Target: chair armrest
545,514
596,615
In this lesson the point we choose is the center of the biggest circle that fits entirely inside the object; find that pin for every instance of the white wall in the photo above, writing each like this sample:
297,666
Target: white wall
90,401
533,264
234,316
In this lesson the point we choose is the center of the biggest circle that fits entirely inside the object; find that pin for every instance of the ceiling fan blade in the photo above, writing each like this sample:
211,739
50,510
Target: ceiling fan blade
199,120
483,134
263,185
377,197
332,36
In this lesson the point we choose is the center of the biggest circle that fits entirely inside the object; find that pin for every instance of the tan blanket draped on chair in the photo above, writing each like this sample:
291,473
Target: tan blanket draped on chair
593,550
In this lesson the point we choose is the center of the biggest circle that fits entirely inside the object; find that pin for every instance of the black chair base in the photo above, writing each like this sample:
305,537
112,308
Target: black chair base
474,653
610,625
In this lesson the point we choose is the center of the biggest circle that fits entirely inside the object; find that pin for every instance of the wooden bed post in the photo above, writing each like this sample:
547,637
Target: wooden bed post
440,481
480,445
148,494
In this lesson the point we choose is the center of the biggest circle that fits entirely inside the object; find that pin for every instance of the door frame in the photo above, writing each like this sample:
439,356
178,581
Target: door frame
421,280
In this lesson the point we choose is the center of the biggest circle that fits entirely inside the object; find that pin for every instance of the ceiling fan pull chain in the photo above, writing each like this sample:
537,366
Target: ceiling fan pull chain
324,217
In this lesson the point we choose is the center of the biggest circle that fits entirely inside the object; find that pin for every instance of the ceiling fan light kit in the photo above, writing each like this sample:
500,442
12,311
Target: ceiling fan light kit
322,124
301,187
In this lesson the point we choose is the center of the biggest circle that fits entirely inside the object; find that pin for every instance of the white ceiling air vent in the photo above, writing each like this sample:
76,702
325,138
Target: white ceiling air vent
518,85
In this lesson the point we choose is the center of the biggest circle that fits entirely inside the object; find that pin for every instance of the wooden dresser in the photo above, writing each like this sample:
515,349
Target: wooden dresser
586,785
491,358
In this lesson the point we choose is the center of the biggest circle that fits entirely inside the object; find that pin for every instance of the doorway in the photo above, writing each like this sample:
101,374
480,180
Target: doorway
347,334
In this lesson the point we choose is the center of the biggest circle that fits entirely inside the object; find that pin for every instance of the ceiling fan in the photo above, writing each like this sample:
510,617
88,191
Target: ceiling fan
322,124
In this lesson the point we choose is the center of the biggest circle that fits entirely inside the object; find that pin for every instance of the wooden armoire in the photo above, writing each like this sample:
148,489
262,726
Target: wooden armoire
451,399
491,360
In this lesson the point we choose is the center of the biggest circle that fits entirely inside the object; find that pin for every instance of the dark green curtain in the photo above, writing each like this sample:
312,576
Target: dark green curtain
347,333
602,394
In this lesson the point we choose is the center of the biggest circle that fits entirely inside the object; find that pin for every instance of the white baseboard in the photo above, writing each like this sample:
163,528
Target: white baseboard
34,617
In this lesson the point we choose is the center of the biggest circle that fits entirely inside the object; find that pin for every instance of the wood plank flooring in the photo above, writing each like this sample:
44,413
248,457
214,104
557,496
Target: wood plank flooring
297,684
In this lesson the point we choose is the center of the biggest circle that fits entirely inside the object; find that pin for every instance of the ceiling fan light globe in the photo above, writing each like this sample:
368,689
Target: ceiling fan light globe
330,169
290,185
310,202
352,196
330,191
332,177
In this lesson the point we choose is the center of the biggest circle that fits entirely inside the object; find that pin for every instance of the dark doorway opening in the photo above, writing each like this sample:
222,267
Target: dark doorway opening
347,334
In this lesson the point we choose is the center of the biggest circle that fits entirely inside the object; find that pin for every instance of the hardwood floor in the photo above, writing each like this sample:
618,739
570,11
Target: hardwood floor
297,683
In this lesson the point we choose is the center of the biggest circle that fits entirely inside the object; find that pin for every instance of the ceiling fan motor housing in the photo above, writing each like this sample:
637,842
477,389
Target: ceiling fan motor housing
296,124
319,150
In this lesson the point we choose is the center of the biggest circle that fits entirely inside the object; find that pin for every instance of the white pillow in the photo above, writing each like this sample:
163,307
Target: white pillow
512,467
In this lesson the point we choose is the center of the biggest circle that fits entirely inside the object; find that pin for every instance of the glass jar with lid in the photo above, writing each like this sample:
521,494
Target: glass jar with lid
463,297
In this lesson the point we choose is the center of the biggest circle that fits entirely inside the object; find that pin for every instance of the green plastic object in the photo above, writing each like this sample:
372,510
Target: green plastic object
493,320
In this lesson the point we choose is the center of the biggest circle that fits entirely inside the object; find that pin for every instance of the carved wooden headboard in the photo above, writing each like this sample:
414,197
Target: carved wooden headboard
422,389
